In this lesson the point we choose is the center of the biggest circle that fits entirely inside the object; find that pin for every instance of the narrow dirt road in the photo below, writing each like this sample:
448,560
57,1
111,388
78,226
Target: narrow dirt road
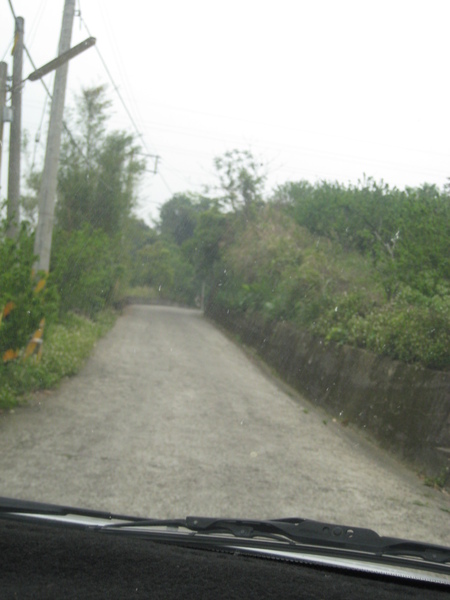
169,418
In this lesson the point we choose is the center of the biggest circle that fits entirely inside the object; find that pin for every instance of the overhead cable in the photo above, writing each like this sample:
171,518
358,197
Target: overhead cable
130,116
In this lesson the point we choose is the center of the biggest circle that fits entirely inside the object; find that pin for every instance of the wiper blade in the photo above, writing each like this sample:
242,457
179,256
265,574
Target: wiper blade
298,531
306,531
288,536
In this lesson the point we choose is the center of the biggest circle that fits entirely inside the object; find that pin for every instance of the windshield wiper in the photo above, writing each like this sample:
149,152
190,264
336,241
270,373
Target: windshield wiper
298,531
286,536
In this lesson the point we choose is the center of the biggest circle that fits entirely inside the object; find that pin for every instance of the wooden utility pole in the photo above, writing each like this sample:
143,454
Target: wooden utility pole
3,76
15,135
47,193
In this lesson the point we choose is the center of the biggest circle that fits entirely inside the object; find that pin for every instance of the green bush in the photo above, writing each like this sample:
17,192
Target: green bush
162,267
414,333
86,270
411,327
17,286
278,270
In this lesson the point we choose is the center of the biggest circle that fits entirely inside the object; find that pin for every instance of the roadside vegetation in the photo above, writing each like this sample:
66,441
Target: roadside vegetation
68,343
89,262
365,265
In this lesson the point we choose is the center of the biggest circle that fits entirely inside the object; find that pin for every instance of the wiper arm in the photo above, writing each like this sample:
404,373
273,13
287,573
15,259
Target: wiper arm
299,531
28,509
292,534
288,530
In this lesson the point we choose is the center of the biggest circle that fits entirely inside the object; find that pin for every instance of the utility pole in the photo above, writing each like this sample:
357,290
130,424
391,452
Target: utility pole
47,193
3,76
15,136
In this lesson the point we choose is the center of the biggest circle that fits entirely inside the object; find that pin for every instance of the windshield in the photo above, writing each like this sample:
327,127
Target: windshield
224,260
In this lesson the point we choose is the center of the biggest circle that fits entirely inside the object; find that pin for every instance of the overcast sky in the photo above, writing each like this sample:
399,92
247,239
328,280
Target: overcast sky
317,89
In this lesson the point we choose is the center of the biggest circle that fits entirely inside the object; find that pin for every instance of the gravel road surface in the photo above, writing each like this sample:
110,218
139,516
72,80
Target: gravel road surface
170,418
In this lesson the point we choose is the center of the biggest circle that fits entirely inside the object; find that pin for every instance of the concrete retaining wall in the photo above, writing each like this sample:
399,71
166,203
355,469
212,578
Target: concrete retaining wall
406,408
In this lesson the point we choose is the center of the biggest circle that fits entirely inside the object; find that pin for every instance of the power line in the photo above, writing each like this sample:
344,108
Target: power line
130,116
12,9
36,23
116,89
119,65
8,49
165,183
37,136
66,128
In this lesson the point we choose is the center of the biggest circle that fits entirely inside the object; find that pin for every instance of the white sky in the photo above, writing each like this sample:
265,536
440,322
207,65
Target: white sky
317,89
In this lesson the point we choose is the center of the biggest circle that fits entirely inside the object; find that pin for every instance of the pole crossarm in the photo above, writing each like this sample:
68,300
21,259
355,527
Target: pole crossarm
61,59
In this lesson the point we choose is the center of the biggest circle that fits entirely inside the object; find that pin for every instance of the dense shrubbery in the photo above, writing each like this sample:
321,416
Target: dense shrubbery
86,269
17,289
366,266
411,328
162,267
91,259
405,233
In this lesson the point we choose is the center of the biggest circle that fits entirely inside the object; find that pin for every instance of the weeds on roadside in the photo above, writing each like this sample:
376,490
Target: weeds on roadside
67,344
438,482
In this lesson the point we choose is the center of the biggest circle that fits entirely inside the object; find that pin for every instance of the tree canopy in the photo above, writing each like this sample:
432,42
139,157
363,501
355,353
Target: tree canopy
99,170
241,180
